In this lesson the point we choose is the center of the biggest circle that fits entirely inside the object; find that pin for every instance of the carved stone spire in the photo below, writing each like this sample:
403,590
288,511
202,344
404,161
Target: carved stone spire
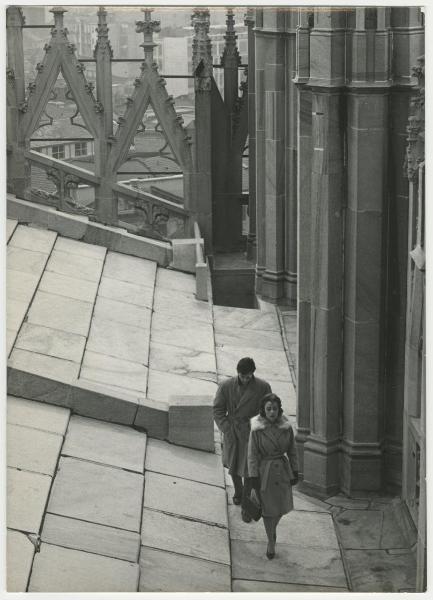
103,43
201,45
148,28
230,57
58,12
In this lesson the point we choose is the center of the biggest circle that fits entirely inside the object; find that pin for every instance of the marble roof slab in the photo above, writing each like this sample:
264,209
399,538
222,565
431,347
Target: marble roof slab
60,312
31,238
124,291
184,536
27,494
112,496
74,265
80,248
32,449
292,564
91,537
182,361
122,312
119,340
106,443
37,414
270,364
114,371
130,268
185,498
71,287
177,331
174,280
187,574
163,385
27,261
181,305
45,366
195,465
58,569
52,342
19,555
21,286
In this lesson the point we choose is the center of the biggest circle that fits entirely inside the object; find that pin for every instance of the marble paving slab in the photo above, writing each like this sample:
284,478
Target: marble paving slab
53,342
315,530
174,280
37,414
286,392
122,312
71,287
80,248
32,449
292,564
360,529
90,537
165,458
60,312
113,496
250,338
21,286
31,238
187,574
162,386
243,585
11,224
19,560
124,291
119,340
181,332
182,361
349,503
27,494
58,569
130,268
181,305
114,371
185,498
308,503
226,317
106,443
270,364
183,536
27,261
74,265
46,366
15,312
377,571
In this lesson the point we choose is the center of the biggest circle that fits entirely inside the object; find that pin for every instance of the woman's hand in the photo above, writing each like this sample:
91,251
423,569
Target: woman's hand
295,479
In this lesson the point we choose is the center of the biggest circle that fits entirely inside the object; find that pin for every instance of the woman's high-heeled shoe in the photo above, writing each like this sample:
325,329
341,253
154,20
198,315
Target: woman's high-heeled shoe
269,554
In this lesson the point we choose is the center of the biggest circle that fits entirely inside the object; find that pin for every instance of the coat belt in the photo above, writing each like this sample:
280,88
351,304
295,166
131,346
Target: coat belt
267,460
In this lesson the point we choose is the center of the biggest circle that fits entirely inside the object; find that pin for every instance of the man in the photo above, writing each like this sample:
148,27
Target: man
236,402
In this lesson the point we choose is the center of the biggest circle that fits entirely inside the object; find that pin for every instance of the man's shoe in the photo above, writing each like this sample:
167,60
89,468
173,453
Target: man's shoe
237,500
246,517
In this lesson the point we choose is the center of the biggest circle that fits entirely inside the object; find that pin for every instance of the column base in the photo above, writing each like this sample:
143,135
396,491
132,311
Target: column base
361,467
251,247
302,434
321,466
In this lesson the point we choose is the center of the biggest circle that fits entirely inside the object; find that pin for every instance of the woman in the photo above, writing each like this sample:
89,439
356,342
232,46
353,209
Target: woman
273,464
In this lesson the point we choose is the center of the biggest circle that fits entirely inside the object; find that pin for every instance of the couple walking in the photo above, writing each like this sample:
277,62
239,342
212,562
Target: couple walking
258,446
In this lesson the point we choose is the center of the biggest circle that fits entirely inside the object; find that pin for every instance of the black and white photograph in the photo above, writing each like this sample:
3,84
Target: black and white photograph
215,299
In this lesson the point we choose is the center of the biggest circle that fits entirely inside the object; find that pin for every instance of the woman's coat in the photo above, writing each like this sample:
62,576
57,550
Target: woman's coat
272,457
234,405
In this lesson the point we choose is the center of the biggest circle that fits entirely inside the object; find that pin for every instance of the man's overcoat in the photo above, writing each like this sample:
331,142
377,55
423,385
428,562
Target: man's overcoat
272,457
234,405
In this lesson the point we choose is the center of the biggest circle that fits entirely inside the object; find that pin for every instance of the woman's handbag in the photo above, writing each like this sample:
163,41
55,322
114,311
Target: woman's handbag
251,505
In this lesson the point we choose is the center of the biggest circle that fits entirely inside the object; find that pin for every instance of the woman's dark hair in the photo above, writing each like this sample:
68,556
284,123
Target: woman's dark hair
270,398
246,365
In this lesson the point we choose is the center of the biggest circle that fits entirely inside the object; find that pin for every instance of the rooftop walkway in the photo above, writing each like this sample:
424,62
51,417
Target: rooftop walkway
99,344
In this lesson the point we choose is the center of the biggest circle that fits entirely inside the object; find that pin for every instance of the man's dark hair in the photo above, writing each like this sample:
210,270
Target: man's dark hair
270,398
246,365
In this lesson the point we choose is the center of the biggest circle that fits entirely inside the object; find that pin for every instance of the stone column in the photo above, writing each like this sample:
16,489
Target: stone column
105,199
260,47
251,239
327,76
291,233
408,45
18,169
274,152
230,61
304,152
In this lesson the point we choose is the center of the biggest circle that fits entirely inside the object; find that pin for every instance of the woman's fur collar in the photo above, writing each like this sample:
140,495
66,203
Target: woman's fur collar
260,422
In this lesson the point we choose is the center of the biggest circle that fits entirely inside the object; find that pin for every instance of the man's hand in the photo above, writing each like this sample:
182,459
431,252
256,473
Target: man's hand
295,480
255,483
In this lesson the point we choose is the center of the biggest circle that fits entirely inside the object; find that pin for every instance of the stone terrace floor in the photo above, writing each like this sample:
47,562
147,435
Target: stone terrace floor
96,506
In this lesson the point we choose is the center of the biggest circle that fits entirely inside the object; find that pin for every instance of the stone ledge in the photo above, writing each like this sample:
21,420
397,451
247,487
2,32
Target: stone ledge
186,421
80,228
